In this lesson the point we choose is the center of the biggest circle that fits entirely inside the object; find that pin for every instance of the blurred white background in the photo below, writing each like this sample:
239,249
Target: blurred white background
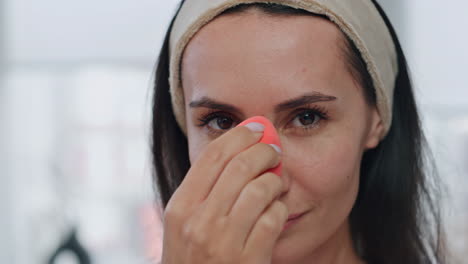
75,97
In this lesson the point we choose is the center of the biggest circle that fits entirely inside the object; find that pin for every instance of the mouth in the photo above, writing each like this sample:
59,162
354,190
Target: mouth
292,219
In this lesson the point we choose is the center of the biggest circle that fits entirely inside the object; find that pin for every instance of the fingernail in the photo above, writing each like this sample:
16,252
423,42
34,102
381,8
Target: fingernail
255,127
278,149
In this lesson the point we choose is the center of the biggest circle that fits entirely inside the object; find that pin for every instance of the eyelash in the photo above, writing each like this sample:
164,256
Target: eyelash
212,115
318,112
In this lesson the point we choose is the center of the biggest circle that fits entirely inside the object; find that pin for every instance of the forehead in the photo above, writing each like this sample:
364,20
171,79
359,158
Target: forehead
253,53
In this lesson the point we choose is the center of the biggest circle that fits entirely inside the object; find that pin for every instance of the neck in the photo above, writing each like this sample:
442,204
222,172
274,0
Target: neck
338,249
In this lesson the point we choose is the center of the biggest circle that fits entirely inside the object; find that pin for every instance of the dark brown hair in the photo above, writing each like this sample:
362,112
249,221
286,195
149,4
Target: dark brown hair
396,217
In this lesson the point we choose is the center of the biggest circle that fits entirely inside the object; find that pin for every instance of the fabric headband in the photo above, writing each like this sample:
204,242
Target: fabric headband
358,19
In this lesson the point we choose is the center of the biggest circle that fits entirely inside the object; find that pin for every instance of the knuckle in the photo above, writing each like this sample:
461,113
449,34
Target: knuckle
194,235
275,216
282,211
269,222
256,192
204,237
213,154
242,164
267,186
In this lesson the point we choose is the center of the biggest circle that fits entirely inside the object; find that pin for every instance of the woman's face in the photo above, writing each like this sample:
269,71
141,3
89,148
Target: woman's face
290,69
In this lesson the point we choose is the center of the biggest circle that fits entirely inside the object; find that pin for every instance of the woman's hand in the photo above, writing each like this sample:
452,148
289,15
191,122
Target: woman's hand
226,209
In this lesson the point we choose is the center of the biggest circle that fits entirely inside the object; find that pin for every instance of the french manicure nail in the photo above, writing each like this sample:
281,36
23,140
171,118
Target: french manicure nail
255,127
278,149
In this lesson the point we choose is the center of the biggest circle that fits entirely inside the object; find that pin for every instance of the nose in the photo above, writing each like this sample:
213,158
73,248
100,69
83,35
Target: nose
270,136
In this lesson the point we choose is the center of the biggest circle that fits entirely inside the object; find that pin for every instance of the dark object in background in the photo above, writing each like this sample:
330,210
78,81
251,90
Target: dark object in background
72,245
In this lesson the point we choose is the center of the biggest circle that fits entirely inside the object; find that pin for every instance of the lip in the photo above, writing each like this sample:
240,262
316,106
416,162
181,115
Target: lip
294,216
292,219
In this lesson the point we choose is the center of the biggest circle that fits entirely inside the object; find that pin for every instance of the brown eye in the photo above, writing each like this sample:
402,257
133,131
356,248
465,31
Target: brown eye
223,122
307,118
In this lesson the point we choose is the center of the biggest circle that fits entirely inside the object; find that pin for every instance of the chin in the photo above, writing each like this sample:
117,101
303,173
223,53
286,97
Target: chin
284,252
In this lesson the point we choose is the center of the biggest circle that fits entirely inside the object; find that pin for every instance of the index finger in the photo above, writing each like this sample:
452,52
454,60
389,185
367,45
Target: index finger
205,171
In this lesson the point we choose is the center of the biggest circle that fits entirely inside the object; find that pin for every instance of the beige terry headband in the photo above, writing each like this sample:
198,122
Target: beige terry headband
358,19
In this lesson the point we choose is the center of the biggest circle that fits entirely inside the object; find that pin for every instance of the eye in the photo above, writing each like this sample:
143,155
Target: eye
308,118
305,119
217,122
221,123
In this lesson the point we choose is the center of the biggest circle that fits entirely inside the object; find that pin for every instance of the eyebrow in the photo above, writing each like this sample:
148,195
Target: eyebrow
305,99
310,98
213,104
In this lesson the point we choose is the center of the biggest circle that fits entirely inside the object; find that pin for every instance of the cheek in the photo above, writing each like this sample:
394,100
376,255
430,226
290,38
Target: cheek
196,144
324,168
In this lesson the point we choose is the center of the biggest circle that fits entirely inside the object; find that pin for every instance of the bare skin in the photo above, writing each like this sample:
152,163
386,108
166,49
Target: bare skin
226,210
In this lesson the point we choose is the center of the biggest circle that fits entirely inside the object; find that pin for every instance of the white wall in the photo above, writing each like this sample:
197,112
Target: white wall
73,106
438,55
437,49
54,31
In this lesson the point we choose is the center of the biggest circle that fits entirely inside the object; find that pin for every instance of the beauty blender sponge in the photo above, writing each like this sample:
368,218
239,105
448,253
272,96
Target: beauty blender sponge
270,136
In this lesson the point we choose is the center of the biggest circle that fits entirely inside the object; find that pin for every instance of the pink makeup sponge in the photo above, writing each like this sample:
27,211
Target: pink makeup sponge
270,136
